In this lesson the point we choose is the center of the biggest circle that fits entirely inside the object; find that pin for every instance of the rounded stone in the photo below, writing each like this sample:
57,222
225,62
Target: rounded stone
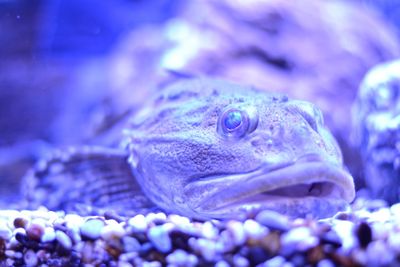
91,229
49,235
131,244
35,231
111,231
5,232
20,222
364,234
237,232
160,239
64,240
273,220
138,223
30,258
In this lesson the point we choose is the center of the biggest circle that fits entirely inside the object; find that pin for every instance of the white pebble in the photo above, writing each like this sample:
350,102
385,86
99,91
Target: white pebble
73,221
394,241
112,231
30,258
240,261
378,254
49,235
222,263
159,237
178,220
209,231
276,261
300,237
92,228
151,264
138,223
325,263
178,258
395,210
5,232
124,264
254,229
381,215
63,239
208,248
344,230
237,232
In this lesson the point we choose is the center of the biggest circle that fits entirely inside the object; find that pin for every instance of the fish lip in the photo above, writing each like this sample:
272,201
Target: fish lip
258,182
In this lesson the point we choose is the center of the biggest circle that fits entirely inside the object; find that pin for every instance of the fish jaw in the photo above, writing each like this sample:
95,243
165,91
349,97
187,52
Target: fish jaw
317,189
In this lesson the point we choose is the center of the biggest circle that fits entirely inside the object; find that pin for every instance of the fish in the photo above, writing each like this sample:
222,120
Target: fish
205,148
376,130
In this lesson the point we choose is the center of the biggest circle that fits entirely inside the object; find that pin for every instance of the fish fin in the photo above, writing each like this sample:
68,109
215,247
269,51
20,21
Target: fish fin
88,178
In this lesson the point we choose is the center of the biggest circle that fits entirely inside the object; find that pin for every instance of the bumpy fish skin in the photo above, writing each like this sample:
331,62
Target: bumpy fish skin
210,148
204,148
376,117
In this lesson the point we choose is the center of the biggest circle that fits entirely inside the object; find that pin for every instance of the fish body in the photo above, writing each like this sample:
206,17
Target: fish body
207,148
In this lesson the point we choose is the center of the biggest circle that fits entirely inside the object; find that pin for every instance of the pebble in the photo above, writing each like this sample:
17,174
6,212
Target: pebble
159,237
91,229
209,231
254,229
181,258
240,261
30,258
35,230
273,220
364,234
138,223
63,240
222,263
325,263
5,232
300,238
130,244
378,254
55,239
20,222
276,261
237,231
49,235
112,231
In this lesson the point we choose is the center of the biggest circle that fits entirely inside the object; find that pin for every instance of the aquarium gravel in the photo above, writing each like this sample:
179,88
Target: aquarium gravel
366,235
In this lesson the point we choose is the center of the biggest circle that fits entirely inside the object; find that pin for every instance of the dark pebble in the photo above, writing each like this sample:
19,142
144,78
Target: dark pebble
22,238
179,239
257,255
364,234
2,249
298,259
315,255
20,223
145,249
35,232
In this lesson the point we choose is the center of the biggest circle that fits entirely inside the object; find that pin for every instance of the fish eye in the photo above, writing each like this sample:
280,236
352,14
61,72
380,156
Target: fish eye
236,123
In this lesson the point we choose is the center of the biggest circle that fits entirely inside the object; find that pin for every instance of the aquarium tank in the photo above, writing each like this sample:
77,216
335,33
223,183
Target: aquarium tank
199,133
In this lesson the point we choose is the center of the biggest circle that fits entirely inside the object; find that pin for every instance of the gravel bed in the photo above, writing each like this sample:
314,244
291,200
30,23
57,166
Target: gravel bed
366,235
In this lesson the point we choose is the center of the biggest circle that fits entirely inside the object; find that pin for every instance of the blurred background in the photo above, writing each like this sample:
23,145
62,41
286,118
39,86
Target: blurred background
69,69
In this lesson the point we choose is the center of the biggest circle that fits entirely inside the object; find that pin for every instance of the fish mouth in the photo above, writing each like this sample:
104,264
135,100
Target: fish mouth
295,188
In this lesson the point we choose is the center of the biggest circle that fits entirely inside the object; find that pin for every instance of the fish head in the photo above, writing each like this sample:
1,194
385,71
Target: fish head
213,149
